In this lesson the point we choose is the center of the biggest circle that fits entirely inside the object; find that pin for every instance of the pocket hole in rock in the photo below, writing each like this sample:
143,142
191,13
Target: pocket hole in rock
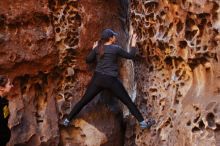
210,119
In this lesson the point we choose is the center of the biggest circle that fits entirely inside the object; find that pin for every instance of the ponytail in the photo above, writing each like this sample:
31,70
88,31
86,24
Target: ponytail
3,80
101,46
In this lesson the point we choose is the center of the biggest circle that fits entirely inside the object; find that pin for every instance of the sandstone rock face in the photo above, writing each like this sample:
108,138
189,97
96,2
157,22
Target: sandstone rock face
26,37
174,79
43,47
27,55
77,25
177,71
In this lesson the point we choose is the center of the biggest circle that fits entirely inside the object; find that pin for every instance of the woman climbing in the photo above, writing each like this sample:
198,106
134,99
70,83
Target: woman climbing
106,75
5,87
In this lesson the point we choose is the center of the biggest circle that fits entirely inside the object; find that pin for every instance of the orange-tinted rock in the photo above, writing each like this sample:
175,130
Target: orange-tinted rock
43,48
180,83
174,79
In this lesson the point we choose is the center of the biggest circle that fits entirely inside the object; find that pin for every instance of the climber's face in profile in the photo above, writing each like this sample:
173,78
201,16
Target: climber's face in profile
109,36
8,87
112,39
4,90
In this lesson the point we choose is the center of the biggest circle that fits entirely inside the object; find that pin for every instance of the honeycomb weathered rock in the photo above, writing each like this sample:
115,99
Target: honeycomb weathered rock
174,79
179,56
43,48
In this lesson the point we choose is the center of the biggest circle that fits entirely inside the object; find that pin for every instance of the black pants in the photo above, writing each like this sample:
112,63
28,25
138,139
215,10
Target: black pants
5,134
98,83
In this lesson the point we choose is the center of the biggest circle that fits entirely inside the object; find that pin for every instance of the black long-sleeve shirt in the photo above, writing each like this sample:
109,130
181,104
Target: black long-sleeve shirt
108,63
4,111
5,132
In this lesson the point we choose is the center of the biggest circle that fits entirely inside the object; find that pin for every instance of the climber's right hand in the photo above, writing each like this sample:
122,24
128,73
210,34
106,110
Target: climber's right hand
95,44
134,40
66,122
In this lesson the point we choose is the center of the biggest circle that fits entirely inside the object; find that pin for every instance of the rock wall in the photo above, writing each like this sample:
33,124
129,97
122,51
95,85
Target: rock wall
43,48
177,71
78,24
28,55
174,79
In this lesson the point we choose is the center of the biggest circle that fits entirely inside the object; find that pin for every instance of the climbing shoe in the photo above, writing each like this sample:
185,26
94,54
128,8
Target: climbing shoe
66,122
147,124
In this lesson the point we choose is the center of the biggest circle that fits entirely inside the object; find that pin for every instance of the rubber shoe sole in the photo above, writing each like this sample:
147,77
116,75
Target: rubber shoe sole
148,124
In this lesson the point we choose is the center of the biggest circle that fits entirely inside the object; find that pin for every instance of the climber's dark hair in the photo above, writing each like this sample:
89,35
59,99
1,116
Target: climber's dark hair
100,46
105,37
3,80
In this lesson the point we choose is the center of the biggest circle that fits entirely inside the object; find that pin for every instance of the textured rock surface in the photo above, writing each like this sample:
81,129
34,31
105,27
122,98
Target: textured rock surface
27,55
174,79
26,37
74,23
43,47
177,72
